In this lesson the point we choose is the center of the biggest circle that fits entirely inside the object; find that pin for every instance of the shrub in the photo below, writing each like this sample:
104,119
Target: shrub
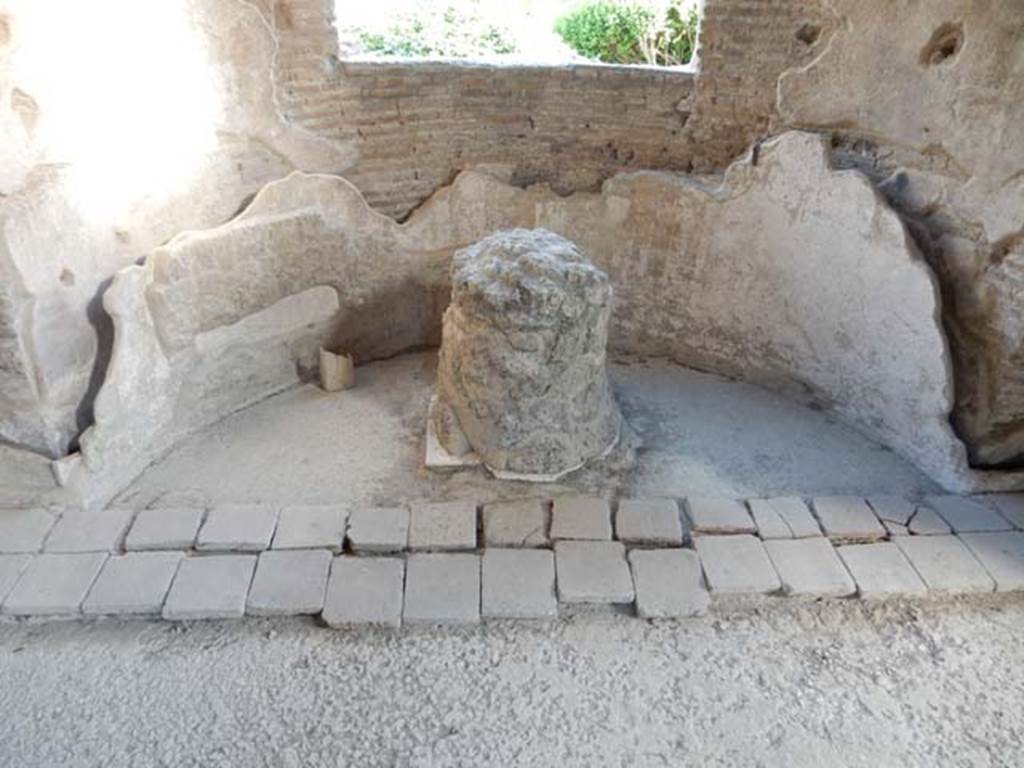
458,31
620,32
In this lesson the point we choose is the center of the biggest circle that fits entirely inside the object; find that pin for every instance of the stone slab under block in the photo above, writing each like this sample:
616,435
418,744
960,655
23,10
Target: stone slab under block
945,564
134,583
848,519
576,516
24,530
669,583
736,565
442,526
718,515
593,572
310,526
11,568
649,522
365,591
783,517
968,515
810,568
54,584
1002,555
237,528
213,587
164,528
518,584
100,531
378,529
1010,506
519,523
881,570
442,589
289,582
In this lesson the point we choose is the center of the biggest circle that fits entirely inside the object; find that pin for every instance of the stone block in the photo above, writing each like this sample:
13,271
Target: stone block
576,516
1002,554
289,582
736,565
237,528
79,531
810,568
520,523
24,530
649,522
669,583
593,572
926,522
968,515
165,528
213,587
440,526
365,591
1010,506
54,584
311,527
783,517
847,519
881,570
945,564
518,584
442,589
11,568
133,583
894,512
713,515
378,529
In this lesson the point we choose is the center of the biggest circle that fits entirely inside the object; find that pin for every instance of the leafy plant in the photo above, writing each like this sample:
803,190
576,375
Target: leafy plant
458,31
624,32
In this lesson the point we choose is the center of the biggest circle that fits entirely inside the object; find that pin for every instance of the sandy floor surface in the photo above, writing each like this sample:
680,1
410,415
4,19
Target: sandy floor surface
844,684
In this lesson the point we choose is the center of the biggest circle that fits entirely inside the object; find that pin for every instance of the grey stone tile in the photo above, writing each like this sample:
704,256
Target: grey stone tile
213,587
518,584
926,522
289,582
783,517
945,564
649,522
968,514
133,583
520,523
442,589
669,583
1002,554
441,526
810,568
894,512
164,528
847,519
714,515
378,529
593,572
311,527
11,568
237,528
365,591
1010,506
101,531
54,584
24,530
574,516
881,570
736,565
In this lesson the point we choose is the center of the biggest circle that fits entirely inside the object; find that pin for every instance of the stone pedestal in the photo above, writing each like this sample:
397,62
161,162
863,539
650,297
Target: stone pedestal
521,376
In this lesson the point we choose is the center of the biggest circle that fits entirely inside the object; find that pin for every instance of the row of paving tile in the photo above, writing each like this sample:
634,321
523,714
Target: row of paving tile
509,580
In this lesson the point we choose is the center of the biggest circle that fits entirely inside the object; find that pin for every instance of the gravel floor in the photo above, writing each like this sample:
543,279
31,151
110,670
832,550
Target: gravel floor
788,684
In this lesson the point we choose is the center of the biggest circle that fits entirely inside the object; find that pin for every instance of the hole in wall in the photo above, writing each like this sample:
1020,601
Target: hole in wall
67,277
808,34
945,43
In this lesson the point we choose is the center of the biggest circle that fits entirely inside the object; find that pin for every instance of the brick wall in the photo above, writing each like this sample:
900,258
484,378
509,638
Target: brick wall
417,124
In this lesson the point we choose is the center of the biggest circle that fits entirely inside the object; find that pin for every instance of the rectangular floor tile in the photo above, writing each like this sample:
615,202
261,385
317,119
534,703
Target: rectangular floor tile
967,514
24,530
518,584
440,526
213,587
736,565
11,568
101,531
519,523
365,591
289,582
54,584
810,568
649,522
1010,506
311,527
133,583
378,529
442,588
237,528
576,516
593,572
164,528
881,570
945,564
847,519
669,583
714,515
784,517
1002,554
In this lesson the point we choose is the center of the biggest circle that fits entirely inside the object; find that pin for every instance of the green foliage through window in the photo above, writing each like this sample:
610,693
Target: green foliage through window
623,32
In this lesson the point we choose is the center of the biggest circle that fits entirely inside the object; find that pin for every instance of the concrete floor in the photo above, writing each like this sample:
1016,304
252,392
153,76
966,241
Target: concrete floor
695,434
842,684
